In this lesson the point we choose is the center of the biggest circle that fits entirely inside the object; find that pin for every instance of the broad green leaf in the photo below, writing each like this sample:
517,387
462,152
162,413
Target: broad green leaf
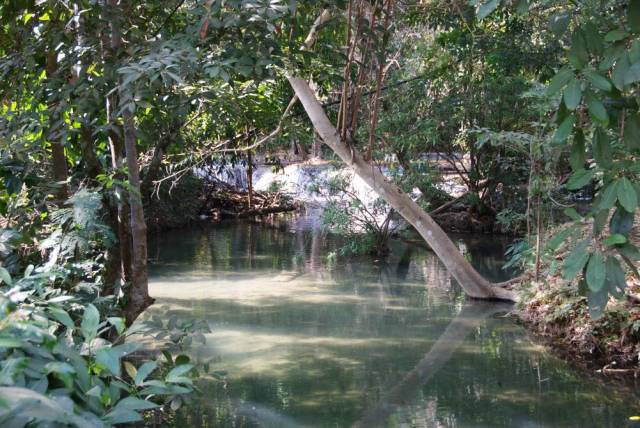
559,23
599,221
598,81
620,71
559,81
110,357
522,7
5,276
576,261
632,131
627,195
615,35
578,54
596,272
564,130
615,279
633,73
10,342
597,111
597,303
609,196
118,323
144,371
621,222
601,147
615,239
573,94
580,178
175,375
593,38
572,214
559,238
633,15
59,367
486,8
577,158
630,251
90,322
61,316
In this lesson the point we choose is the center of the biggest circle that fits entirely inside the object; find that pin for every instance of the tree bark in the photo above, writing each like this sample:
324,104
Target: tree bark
138,296
469,279
58,158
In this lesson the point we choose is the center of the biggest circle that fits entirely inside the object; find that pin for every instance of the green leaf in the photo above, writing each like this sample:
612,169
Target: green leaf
572,214
10,342
597,303
630,251
559,81
580,178
61,316
486,8
559,23
627,195
633,73
577,158
578,54
609,196
599,220
559,238
564,130
593,38
598,81
596,272
633,15
573,94
615,239
615,279
175,375
601,147
118,323
596,109
576,261
632,131
615,35
5,276
110,357
144,371
620,71
90,322
621,222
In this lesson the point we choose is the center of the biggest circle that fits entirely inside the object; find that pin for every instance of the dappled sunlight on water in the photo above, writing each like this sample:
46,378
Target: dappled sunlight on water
310,341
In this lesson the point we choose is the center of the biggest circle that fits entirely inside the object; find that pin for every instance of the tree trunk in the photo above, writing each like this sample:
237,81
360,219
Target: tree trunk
58,158
471,281
132,228
138,295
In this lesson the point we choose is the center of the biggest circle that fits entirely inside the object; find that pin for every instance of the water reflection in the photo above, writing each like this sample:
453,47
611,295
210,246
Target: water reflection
307,342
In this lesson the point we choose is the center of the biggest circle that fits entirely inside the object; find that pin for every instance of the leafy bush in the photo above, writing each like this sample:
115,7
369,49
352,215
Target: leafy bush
65,357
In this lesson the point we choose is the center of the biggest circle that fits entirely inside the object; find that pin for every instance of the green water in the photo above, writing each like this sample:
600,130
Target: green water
310,341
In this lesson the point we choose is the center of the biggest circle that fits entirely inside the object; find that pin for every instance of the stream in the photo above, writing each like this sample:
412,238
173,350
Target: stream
307,339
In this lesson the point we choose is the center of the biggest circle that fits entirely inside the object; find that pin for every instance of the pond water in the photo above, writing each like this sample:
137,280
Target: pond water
307,339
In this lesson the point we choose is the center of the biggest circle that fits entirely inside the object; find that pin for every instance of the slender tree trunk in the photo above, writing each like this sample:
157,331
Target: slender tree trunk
138,296
134,245
250,179
471,281
58,158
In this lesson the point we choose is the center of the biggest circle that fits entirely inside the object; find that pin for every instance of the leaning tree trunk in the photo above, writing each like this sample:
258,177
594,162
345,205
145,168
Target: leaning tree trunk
471,281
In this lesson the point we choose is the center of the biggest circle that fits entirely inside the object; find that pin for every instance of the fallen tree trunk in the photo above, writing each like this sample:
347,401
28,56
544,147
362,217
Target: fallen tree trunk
469,279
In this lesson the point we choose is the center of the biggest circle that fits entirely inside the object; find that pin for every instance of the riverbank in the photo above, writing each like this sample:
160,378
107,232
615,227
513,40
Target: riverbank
554,309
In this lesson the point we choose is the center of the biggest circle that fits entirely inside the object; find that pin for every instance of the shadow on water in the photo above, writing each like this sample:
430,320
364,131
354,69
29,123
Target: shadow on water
310,342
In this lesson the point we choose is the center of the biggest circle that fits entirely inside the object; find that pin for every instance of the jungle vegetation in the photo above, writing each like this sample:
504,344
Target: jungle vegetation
106,105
